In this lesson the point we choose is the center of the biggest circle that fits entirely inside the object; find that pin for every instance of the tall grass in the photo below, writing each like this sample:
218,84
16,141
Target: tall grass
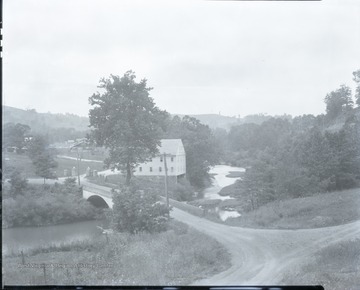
335,267
321,210
177,256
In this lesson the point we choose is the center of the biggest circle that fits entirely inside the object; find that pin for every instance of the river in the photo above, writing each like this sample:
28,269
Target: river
15,240
220,181
27,238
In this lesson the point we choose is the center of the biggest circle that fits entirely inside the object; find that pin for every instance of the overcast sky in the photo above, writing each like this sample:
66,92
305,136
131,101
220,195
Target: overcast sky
233,57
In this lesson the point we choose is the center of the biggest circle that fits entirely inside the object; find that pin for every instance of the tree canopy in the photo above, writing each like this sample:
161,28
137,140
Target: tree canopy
14,135
201,147
42,158
125,119
338,101
356,79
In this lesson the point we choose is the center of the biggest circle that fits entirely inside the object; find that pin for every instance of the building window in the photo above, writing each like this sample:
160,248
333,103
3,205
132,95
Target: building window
160,169
172,159
150,169
172,169
161,159
140,169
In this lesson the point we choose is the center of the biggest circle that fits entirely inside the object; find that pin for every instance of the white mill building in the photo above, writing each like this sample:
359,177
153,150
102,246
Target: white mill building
175,161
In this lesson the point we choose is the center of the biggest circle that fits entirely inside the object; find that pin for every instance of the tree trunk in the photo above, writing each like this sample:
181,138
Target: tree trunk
128,174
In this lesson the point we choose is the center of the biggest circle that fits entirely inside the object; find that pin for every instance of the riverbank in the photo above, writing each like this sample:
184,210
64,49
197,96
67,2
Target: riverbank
320,210
39,205
178,256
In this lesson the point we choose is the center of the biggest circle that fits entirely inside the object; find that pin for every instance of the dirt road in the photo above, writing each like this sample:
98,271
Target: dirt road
264,256
259,257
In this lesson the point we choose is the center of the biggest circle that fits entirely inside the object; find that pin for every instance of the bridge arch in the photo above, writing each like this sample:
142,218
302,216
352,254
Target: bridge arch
98,201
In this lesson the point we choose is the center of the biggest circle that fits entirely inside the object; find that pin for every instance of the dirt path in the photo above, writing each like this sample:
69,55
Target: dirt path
258,257
264,256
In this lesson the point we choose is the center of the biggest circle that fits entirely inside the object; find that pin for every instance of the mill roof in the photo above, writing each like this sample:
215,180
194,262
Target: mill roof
170,146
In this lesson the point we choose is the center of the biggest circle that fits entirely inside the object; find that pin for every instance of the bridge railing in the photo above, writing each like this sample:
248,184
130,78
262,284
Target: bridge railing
98,191
185,207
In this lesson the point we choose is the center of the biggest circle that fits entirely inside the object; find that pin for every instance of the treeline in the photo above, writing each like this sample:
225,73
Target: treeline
201,147
14,134
41,122
56,127
35,147
287,158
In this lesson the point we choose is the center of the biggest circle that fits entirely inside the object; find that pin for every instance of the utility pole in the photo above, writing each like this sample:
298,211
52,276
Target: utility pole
78,165
166,182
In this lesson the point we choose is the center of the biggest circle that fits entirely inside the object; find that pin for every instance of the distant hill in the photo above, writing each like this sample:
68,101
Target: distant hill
43,122
215,121
225,122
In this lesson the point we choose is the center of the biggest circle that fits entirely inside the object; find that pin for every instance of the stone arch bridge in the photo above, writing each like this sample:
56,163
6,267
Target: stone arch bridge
99,196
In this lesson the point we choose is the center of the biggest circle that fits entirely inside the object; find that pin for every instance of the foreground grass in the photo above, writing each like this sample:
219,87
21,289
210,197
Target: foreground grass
178,256
23,163
321,210
334,267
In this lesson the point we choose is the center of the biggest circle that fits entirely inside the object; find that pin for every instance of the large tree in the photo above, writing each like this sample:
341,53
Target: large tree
14,135
42,158
126,121
201,147
339,101
45,166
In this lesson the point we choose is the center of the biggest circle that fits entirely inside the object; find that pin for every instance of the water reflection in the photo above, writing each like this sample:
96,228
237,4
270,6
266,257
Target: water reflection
28,238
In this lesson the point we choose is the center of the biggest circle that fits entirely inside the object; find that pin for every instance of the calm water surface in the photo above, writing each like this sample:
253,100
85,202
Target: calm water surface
219,182
26,238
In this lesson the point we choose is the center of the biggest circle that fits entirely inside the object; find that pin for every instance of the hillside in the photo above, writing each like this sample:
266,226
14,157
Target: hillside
215,121
225,122
43,122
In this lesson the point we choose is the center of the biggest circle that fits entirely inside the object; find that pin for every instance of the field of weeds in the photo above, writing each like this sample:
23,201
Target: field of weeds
178,256
321,210
334,267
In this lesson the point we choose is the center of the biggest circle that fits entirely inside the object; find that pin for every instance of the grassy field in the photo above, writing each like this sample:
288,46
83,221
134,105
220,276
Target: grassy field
335,267
178,256
23,163
321,210
100,156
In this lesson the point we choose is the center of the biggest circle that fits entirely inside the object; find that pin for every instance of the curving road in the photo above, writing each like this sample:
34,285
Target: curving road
258,256
262,257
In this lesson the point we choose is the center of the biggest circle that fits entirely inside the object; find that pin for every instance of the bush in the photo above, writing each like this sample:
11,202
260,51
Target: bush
183,191
137,211
18,183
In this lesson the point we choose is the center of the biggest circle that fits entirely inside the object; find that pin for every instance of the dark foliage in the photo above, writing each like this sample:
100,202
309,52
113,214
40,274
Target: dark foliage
137,211
42,158
126,121
46,205
201,147
14,135
298,157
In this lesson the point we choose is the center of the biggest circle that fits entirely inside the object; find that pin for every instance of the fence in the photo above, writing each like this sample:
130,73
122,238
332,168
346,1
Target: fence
185,207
